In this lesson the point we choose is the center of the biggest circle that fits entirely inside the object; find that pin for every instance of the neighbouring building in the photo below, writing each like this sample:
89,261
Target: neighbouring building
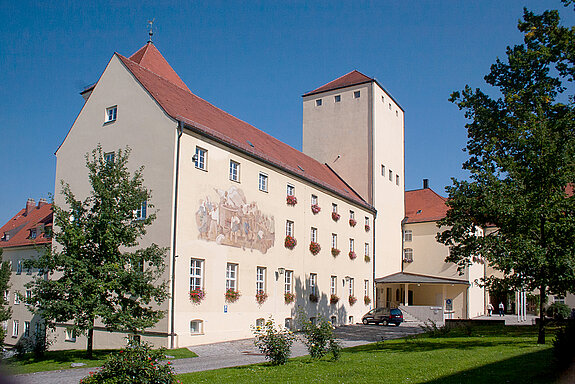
25,236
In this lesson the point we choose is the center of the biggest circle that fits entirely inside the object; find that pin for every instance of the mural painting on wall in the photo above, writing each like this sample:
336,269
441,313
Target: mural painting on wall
234,222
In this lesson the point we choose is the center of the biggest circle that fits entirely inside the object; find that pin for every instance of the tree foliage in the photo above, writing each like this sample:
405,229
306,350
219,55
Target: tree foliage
5,311
522,164
95,271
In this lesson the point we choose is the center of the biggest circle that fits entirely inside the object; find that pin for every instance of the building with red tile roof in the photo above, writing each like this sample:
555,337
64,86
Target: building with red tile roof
31,226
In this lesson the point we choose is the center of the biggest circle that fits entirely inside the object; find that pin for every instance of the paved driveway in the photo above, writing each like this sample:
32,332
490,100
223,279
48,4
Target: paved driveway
235,353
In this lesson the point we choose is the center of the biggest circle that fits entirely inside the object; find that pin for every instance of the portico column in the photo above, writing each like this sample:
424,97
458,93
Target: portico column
405,295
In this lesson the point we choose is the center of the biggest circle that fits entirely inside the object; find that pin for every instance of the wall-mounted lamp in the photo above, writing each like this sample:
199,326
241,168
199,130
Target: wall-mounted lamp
346,280
195,158
281,270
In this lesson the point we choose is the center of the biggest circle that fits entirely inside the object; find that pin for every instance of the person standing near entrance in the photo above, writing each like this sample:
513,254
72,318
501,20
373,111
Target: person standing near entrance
501,309
489,309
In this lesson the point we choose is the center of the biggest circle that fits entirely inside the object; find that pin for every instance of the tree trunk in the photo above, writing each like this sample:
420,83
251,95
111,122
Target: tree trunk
90,341
541,336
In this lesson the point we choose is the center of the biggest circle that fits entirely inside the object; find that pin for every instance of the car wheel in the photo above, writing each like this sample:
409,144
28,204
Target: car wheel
384,322
365,322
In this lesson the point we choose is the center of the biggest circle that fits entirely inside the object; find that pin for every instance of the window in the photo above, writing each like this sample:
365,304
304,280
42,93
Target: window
260,279
234,171
200,158
19,267
333,320
33,234
109,157
318,103
111,113
16,297
289,228
15,328
334,208
196,274
351,291
396,179
334,240
407,235
382,170
28,295
5,325
6,236
351,215
314,234
142,212
390,106
232,276
260,322
7,296
351,245
288,323
288,282
382,99
313,283
70,335
196,327
408,255
313,200
366,249
333,285
356,94
396,113
290,190
366,288
337,98
390,175
367,221
263,182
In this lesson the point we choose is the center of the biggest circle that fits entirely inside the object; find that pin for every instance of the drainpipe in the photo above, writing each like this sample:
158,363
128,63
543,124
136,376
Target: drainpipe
174,255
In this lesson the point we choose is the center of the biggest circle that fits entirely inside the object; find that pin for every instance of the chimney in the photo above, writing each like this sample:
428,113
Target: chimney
425,183
30,205
42,202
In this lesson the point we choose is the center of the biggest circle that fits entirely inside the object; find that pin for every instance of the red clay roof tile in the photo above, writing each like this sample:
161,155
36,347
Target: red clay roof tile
353,78
20,225
423,205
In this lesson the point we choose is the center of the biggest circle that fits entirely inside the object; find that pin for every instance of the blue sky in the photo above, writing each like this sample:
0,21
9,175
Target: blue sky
253,59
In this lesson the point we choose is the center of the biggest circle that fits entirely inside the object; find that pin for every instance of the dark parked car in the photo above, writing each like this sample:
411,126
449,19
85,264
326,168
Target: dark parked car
383,316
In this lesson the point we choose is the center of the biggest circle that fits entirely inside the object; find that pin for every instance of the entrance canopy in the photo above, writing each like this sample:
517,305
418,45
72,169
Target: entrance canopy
411,278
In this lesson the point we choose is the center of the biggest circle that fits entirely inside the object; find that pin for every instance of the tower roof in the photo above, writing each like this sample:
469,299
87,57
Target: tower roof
352,78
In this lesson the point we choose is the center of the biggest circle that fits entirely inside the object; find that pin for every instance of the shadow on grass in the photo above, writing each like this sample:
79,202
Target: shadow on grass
60,356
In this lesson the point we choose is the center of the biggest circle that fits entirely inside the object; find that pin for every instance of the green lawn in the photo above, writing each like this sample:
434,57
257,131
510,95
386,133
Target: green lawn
492,354
54,360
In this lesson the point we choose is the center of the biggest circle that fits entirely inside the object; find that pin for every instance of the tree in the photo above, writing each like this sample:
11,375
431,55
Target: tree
5,312
522,165
94,272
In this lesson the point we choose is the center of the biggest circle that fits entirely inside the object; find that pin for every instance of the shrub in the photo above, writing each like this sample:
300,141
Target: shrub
559,311
232,295
563,345
274,342
261,297
319,338
333,299
352,300
291,200
335,216
289,297
314,247
313,298
290,242
197,295
315,209
352,222
135,361
433,330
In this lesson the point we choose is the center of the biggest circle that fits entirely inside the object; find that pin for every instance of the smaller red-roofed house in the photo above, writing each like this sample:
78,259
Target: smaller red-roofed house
25,236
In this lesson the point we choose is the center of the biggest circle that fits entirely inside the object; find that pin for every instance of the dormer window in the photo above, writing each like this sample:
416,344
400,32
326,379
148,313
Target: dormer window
5,237
33,233
111,113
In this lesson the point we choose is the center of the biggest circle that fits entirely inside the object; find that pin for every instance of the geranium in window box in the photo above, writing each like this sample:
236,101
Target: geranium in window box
367,228
261,297
232,295
197,295
367,258
290,242
366,300
352,255
335,216
352,300
313,298
315,209
289,298
291,200
352,222
314,248
335,252
333,299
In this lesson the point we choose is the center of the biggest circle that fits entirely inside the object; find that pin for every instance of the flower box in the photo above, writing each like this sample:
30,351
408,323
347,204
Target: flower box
232,295
335,216
367,258
290,242
314,247
315,209
367,228
366,300
352,255
352,300
291,200
289,298
333,299
313,298
261,297
197,295
352,222
335,252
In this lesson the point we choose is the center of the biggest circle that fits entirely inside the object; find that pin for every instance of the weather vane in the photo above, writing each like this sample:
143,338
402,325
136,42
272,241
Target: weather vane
151,31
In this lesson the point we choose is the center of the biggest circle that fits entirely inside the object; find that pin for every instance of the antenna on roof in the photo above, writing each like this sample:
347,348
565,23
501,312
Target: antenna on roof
151,31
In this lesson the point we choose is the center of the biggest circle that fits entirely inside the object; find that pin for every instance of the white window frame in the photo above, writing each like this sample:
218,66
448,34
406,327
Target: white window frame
351,245
16,297
366,288
367,221
313,283
289,228
15,328
70,335
351,215
333,285
288,282
196,327
366,248
351,290
111,114
313,200
234,171
26,329
196,274
290,190
390,172
201,158
261,279
109,157
407,235
337,98
313,234
142,211
408,255
396,179
28,295
232,276
263,182
19,266
7,296
334,240
382,170
334,207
